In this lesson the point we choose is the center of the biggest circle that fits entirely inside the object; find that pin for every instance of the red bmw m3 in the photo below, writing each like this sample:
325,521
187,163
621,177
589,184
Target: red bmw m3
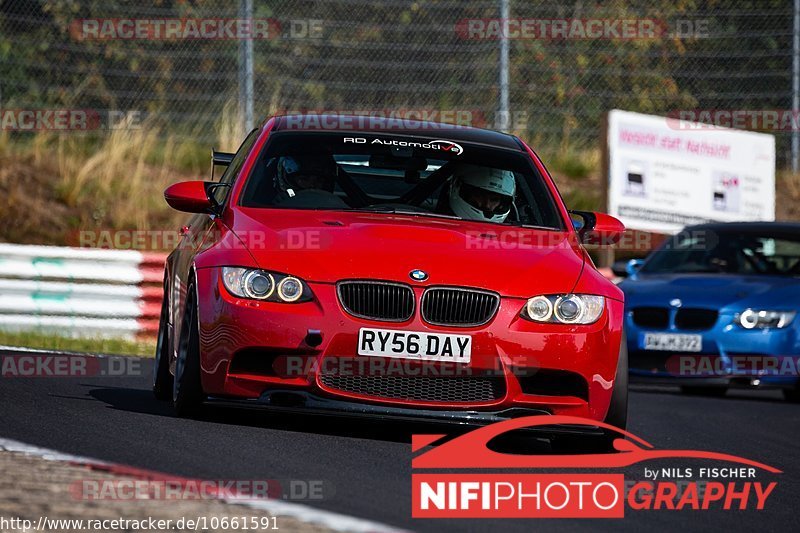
346,265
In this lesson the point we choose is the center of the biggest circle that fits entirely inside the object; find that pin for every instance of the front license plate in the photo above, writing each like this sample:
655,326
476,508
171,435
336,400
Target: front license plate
673,342
414,345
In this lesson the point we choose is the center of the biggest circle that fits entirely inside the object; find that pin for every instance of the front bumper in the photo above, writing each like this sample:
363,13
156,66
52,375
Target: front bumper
730,356
544,368
300,402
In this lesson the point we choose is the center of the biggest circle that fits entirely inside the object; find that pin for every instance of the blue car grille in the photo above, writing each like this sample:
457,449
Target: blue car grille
688,318
651,317
696,319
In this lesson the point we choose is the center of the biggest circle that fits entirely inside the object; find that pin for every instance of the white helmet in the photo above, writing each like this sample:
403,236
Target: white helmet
482,193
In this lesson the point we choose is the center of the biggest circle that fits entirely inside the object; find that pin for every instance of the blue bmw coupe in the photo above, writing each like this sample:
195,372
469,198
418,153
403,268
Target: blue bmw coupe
716,307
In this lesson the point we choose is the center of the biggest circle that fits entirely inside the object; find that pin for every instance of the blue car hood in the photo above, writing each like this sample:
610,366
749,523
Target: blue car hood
713,291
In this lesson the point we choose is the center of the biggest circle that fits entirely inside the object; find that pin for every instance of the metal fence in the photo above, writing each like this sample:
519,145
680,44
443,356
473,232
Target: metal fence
416,58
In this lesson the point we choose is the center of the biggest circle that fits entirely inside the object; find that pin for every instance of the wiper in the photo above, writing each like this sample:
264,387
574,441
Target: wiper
534,226
378,208
399,211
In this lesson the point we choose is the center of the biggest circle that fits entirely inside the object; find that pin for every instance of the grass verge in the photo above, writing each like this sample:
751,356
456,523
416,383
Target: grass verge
57,187
47,341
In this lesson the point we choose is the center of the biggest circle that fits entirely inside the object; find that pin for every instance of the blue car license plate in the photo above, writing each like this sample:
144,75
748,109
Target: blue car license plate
672,342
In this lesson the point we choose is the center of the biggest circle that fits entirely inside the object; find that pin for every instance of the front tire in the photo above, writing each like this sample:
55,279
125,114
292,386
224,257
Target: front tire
618,407
162,379
792,395
187,390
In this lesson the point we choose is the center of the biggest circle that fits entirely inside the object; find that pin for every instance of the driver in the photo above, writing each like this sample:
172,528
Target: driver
306,172
482,193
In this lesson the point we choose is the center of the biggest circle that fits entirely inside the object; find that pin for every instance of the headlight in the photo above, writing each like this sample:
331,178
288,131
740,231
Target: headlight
539,308
290,289
564,309
258,284
752,319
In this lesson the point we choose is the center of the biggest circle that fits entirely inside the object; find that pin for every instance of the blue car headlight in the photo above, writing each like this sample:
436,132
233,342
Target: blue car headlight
257,284
761,319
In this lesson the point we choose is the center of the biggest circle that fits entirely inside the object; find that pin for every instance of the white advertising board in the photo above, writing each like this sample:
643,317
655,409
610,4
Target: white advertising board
665,173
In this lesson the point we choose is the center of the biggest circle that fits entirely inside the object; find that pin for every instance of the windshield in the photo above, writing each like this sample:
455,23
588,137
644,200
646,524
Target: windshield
399,174
727,253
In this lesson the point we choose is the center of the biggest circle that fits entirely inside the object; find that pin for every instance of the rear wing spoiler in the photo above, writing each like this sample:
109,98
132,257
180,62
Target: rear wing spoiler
220,159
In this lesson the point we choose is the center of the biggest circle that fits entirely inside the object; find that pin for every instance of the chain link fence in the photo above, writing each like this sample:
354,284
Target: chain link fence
438,59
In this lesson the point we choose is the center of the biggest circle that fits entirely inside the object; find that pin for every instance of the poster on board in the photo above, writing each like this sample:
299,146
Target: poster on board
665,173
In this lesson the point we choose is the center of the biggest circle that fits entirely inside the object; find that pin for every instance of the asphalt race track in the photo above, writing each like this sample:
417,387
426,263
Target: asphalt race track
365,465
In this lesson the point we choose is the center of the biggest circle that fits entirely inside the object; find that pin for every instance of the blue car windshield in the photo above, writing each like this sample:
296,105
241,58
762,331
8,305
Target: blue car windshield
727,253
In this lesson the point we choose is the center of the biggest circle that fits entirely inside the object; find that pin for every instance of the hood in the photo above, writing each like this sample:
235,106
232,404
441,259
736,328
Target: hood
328,246
712,290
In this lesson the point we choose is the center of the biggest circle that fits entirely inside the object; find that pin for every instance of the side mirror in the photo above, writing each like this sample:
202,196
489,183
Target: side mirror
620,268
633,266
190,197
598,228
623,269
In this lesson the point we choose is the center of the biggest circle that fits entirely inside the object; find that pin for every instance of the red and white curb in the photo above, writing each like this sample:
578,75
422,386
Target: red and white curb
80,291
303,513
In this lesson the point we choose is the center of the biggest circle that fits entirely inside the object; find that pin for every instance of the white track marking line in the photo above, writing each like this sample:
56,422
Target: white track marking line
15,350
9,445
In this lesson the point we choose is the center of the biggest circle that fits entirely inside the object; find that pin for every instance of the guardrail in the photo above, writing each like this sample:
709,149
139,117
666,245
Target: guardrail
80,292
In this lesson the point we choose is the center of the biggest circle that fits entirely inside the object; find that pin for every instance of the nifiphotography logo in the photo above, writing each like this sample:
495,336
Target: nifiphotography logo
515,489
